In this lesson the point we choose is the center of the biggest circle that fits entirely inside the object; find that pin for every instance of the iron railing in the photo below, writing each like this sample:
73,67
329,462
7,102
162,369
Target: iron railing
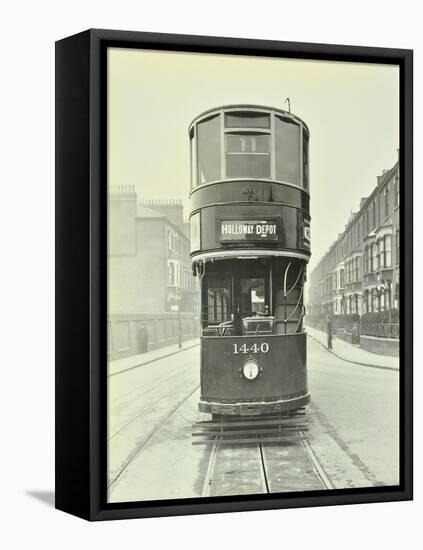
380,330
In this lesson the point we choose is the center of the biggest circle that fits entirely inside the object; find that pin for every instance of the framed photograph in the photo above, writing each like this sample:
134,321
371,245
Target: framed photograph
234,274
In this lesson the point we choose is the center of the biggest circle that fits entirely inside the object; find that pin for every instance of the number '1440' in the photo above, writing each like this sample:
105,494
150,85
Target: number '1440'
254,348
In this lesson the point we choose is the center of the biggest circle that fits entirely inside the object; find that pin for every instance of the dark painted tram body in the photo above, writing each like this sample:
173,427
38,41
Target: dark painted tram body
250,244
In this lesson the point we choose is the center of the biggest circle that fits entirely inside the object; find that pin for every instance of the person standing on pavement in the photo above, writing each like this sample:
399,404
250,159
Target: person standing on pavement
329,331
143,339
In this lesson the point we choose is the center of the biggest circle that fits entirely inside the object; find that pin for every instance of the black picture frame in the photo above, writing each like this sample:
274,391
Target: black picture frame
81,262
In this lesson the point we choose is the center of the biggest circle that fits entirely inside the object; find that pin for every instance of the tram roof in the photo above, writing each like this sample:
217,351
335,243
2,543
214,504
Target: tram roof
248,106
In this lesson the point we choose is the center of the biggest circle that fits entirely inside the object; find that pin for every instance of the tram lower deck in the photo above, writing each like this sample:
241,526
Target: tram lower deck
253,348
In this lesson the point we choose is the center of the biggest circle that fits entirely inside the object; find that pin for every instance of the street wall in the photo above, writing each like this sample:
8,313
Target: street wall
383,346
125,332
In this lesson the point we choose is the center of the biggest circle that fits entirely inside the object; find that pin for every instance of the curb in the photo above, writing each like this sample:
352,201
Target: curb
153,360
350,361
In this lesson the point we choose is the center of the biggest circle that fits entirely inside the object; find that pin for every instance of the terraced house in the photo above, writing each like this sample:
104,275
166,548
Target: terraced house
359,275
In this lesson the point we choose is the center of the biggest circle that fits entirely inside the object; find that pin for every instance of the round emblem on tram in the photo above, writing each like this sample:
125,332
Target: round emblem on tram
250,369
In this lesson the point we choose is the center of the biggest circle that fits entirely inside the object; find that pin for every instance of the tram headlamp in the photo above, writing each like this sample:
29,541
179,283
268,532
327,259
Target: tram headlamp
250,369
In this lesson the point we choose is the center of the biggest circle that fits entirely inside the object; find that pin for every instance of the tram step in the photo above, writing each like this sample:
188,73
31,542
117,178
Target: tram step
248,423
256,431
249,440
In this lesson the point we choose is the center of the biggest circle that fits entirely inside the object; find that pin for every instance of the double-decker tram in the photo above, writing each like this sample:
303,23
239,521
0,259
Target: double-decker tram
250,244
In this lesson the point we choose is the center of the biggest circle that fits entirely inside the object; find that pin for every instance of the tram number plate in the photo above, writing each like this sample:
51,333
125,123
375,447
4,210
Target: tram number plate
254,348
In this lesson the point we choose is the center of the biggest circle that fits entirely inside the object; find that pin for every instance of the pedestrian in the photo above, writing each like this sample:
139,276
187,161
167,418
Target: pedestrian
329,331
143,338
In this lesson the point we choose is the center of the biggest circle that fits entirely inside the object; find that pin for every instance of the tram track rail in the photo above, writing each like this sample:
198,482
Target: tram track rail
140,412
317,466
140,446
263,468
259,444
210,481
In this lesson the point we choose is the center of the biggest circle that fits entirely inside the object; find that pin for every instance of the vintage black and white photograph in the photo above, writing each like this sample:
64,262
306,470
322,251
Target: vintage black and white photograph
253,275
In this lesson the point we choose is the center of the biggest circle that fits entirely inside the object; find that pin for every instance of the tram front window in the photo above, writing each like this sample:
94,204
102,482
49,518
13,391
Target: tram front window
253,310
218,300
252,297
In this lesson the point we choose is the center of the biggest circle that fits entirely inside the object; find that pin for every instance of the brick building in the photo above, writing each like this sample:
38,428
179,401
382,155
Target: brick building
359,274
149,270
149,264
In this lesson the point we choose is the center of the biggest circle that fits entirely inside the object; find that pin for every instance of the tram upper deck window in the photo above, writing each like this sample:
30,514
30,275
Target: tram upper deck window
192,157
208,150
247,120
287,145
305,161
247,155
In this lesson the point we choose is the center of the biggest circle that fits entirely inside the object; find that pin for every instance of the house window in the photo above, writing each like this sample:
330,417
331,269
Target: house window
397,247
386,200
375,301
388,250
375,258
173,273
381,243
396,191
396,296
357,268
382,297
385,254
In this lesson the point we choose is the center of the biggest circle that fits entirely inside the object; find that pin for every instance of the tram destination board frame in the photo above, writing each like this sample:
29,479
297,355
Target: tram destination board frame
81,271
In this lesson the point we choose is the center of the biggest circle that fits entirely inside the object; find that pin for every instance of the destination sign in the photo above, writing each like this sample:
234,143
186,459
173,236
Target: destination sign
249,230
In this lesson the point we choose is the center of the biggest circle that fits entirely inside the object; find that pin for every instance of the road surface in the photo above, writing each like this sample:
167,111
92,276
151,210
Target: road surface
352,441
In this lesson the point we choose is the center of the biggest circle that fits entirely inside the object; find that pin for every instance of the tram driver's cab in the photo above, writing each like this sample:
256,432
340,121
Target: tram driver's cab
252,297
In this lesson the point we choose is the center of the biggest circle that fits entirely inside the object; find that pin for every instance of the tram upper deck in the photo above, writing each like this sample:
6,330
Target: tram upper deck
249,183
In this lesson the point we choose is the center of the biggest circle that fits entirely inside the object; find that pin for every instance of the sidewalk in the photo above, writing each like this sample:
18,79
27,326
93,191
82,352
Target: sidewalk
354,354
134,361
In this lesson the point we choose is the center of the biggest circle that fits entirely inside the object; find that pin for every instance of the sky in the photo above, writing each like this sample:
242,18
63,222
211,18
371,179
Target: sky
351,109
